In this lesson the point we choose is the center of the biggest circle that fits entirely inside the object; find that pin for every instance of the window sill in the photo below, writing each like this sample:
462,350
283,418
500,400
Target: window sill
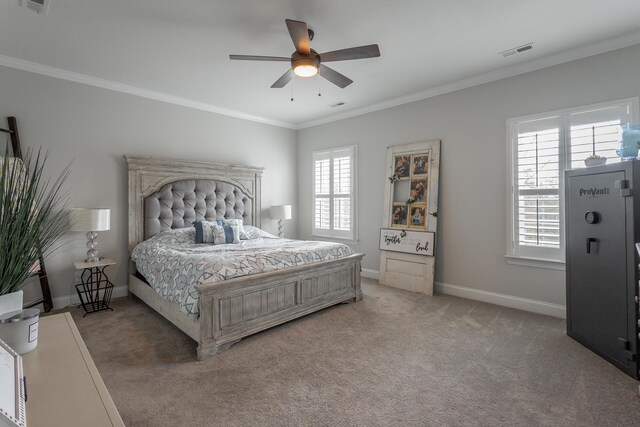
535,262
345,240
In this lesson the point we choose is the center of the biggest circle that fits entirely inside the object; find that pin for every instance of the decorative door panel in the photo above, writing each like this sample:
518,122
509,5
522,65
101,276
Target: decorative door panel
411,204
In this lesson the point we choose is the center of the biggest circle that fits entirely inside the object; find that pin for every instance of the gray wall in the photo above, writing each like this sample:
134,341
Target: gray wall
95,127
471,124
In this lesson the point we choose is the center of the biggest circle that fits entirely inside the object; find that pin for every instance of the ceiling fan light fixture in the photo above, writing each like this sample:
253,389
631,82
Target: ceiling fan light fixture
305,70
306,62
305,66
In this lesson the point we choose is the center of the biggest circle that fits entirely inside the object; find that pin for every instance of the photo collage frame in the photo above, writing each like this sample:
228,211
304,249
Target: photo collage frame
410,191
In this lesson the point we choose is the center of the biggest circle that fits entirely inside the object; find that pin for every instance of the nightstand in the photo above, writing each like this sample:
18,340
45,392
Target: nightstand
95,288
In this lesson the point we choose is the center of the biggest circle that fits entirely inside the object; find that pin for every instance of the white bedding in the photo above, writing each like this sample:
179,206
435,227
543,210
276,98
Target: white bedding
173,264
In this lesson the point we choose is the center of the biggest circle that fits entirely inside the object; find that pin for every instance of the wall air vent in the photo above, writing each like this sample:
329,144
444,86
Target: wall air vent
337,104
38,6
515,50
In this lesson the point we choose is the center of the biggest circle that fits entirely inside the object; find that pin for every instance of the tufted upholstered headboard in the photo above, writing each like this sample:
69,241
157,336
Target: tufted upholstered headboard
167,193
177,204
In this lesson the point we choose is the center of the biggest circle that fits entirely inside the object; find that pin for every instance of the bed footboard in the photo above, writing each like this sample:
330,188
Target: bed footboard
236,308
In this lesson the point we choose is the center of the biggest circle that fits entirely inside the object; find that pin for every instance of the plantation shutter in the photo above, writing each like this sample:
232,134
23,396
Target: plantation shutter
322,168
543,147
537,185
334,207
603,125
342,190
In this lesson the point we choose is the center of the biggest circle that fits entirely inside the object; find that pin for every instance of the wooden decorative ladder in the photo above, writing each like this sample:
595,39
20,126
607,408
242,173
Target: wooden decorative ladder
40,269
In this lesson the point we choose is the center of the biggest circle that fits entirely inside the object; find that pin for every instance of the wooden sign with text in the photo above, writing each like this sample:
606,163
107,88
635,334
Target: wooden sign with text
407,241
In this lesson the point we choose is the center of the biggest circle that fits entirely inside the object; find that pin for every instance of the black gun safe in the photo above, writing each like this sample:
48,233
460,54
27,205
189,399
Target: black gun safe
602,226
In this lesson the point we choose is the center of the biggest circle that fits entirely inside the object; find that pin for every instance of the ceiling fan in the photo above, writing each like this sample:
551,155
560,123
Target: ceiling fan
306,62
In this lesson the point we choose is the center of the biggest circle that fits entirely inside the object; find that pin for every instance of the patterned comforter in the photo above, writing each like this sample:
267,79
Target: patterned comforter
173,264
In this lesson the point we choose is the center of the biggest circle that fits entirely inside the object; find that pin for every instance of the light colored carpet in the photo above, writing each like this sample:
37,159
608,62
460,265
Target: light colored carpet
395,358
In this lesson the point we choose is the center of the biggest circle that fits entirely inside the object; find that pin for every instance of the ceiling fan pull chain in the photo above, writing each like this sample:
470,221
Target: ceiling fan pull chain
318,81
292,85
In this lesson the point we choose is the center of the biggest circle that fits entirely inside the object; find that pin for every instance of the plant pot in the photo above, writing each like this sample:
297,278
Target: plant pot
11,302
19,329
595,161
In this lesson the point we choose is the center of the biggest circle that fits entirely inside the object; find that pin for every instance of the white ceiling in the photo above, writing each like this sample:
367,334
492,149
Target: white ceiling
178,50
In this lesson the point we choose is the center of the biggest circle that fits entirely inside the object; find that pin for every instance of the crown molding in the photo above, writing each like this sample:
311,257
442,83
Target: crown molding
548,61
59,73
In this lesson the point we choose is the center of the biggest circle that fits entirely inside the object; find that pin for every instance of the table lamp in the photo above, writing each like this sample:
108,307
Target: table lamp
280,213
90,220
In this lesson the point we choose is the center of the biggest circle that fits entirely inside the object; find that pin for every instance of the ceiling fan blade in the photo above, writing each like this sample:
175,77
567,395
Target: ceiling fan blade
300,36
258,58
335,77
282,81
360,52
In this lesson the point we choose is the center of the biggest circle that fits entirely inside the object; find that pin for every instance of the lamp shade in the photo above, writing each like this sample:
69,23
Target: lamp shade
280,212
90,219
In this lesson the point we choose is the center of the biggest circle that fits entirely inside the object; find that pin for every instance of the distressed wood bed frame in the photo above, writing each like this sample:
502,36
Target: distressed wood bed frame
235,308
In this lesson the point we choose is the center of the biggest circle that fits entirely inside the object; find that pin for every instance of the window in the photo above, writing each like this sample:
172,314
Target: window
334,202
541,148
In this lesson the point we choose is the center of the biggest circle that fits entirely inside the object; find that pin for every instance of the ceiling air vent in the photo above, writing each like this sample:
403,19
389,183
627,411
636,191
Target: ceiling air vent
38,6
523,48
515,50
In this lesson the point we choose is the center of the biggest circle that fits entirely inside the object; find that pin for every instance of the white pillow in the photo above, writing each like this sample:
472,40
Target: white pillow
256,233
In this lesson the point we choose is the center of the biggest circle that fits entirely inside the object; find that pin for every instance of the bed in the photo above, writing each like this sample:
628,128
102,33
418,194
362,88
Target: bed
168,194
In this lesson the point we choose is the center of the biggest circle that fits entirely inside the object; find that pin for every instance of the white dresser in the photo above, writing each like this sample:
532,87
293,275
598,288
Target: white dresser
64,387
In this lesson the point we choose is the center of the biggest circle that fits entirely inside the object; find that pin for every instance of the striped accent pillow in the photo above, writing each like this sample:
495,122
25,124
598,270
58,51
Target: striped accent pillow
237,223
216,233
204,233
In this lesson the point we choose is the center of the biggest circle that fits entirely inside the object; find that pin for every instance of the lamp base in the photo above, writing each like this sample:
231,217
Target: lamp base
92,242
280,228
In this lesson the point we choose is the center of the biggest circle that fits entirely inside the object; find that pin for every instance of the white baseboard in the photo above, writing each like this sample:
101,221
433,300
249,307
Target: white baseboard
370,274
526,304
67,300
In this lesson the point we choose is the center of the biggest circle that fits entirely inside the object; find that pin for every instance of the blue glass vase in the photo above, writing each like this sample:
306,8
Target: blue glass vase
629,143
